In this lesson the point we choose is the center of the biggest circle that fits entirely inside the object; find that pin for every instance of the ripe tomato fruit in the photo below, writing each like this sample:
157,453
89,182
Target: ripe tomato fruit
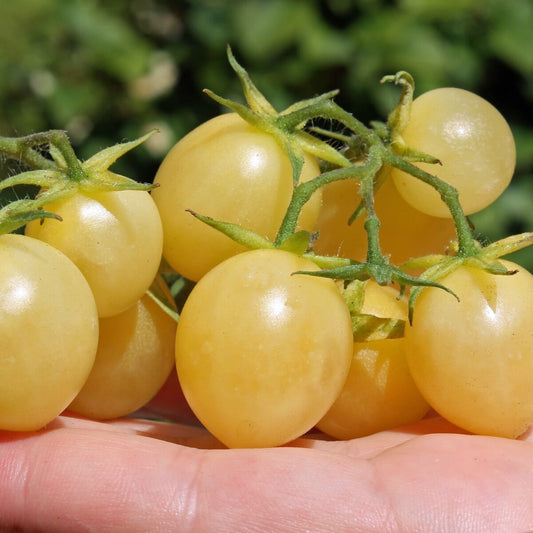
471,139
135,357
379,393
261,354
230,171
405,232
48,332
473,359
115,238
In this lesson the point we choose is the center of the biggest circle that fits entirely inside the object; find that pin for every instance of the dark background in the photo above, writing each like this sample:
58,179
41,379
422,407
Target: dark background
109,71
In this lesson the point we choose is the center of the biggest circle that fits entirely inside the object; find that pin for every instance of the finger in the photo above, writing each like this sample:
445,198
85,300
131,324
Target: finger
373,445
72,479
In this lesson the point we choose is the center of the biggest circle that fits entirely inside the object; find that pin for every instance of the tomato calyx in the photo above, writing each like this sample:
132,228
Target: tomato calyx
486,258
60,175
286,126
399,118
369,327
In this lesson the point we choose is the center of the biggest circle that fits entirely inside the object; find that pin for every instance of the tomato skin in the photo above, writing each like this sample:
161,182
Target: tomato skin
115,238
48,332
261,354
472,140
473,360
230,171
379,392
134,359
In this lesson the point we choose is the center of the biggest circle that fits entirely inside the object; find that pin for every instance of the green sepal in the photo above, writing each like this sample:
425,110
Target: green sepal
423,262
104,181
100,178
244,236
399,116
103,159
297,243
367,327
416,156
286,126
373,328
328,261
253,96
383,274
18,213
40,178
488,264
508,245
354,295
435,272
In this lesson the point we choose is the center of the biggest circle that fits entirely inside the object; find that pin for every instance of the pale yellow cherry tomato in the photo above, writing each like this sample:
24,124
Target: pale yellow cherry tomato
115,238
262,353
135,357
472,140
379,393
230,171
473,359
48,332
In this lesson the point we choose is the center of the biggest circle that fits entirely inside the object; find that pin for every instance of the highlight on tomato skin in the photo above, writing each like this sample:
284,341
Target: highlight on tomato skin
262,353
230,171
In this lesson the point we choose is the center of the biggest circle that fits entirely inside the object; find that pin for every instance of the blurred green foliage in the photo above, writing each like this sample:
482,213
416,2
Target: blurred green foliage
109,71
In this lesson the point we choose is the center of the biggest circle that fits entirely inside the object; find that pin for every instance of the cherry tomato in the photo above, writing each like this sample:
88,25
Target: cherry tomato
473,359
135,357
379,393
471,139
230,171
48,332
115,239
261,353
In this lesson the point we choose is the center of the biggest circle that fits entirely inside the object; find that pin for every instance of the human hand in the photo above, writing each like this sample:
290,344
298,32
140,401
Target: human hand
143,475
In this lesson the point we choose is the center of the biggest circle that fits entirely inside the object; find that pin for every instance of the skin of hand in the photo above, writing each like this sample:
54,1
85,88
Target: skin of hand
136,474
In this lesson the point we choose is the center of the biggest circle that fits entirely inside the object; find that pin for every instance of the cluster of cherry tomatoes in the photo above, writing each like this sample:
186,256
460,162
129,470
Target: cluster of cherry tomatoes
265,349
78,327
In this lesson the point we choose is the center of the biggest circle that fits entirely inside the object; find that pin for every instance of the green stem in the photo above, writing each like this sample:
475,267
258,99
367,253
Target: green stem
60,140
449,195
303,192
324,109
372,222
22,149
